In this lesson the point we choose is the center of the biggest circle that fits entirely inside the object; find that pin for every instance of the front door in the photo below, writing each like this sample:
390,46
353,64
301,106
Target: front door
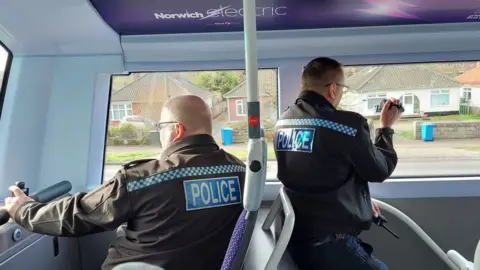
408,103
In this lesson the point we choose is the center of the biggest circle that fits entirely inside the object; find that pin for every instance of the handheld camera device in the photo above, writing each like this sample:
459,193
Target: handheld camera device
378,108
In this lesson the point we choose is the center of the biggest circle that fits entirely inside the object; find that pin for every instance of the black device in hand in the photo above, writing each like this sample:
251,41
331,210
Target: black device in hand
378,108
21,185
381,221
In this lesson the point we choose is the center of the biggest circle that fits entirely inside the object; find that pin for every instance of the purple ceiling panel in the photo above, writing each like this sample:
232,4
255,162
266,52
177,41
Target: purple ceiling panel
140,17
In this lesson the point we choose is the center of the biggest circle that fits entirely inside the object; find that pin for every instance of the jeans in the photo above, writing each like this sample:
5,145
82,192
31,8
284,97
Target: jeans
349,253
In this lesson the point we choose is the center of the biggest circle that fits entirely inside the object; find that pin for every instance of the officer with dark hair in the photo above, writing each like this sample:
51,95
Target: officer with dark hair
180,210
325,160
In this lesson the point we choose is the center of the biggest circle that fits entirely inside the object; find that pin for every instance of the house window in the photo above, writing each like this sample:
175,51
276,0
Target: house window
467,93
440,97
375,99
241,106
118,111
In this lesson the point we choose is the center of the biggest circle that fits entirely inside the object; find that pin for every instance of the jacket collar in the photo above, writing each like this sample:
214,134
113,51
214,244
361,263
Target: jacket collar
318,101
202,140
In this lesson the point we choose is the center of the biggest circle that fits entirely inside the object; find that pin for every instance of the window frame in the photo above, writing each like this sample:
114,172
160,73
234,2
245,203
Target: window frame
125,110
441,92
468,91
434,182
6,75
374,96
243,104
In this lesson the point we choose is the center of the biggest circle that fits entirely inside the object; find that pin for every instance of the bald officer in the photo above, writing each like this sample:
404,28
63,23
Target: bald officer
180,209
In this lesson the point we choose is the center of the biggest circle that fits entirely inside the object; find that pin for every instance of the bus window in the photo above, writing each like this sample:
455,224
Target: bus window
136,101
445,96
5,60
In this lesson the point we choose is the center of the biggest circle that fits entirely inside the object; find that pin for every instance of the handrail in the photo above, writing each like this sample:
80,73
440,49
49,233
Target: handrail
281,202
459,260
476,258
414,226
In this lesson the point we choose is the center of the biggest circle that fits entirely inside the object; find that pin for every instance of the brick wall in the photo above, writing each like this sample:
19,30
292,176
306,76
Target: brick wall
450,130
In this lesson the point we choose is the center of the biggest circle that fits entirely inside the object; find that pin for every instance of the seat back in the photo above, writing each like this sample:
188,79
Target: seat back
282,202
240,241
252,197
476,258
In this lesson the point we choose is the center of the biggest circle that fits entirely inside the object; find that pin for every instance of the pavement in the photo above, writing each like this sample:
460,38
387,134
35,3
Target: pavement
406,148
416,157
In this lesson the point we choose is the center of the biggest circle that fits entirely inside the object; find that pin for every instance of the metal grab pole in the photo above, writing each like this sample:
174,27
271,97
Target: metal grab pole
250,36
257,147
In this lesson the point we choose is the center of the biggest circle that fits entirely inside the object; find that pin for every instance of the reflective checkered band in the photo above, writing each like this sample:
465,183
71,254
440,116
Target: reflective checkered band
181,173
318,123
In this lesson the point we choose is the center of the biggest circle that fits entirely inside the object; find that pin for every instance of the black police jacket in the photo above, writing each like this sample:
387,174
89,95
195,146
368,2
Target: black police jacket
325,160
180,209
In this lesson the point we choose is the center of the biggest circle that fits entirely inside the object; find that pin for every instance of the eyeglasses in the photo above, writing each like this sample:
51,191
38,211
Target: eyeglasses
161,125
345,88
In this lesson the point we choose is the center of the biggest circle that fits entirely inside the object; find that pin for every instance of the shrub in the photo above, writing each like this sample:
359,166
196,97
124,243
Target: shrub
128,134
266,124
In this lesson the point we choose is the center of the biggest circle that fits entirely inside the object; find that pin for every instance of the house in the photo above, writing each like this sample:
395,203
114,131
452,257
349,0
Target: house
267,86
420,90
450,69
471,88
145,96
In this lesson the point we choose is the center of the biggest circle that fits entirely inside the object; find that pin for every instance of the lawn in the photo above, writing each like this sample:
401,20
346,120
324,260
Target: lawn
242,154
127,156
407,134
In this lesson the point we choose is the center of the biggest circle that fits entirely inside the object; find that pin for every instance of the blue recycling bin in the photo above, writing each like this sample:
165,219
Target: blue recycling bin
427,131
227,136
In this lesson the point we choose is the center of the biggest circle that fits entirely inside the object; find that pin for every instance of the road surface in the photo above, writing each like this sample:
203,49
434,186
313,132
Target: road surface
405,167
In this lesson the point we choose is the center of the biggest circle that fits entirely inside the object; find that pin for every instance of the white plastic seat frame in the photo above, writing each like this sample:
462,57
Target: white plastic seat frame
282,202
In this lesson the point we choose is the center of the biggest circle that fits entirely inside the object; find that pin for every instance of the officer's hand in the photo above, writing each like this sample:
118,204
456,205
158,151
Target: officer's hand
389,115
12,203
376,209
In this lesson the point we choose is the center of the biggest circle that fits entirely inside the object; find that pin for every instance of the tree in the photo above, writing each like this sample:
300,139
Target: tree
217,81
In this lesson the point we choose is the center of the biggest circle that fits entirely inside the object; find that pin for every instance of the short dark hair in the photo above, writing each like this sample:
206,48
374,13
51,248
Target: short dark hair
319,72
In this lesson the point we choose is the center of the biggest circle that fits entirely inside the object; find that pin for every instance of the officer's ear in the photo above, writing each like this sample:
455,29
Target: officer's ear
332,91
180,131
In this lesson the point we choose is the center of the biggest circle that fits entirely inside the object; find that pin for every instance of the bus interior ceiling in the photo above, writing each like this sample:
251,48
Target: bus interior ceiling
72,69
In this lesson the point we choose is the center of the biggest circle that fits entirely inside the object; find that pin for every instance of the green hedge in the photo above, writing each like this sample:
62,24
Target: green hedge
127,134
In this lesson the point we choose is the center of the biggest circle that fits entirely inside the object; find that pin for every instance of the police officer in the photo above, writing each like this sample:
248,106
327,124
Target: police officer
325,160
180,210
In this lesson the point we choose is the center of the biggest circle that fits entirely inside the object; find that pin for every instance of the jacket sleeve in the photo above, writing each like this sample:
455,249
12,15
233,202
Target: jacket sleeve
102,209
373,161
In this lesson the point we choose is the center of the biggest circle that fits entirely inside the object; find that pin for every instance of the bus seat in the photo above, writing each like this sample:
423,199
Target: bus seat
280,257
240,241
476,258
265,245
252,198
